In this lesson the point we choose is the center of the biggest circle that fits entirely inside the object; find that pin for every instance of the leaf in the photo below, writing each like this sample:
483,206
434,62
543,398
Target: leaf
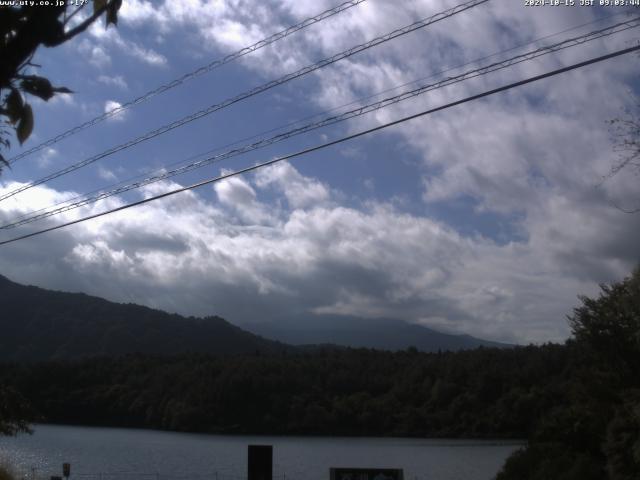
38,86
98,5
51,30
112,12
62,90
14,105
25,127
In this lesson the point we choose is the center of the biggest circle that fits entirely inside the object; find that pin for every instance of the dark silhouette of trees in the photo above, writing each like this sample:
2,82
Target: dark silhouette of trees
578,404
594,432
15,411
483,393
609,326
22,30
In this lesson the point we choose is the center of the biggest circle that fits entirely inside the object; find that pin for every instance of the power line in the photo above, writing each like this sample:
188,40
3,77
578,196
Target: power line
333,142
255,91
193,74
30,215
315,115
528,56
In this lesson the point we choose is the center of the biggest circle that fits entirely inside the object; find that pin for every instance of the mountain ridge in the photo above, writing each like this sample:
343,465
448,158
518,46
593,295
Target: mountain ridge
378,333
39,324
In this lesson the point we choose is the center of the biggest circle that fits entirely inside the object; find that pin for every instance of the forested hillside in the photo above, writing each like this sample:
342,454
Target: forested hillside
481,393
39,324
578,404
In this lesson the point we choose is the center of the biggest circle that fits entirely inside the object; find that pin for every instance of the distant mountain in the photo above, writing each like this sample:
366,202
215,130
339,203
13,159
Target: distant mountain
38,324
384,334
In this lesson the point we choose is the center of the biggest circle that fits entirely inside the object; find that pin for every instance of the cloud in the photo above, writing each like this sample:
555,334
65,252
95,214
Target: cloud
101,38
249,261
65,99
106,174
225,25
236,192
236,35
138,12
96,55
283,244
240,198
300,191
115,81
146,55
46,157
110,105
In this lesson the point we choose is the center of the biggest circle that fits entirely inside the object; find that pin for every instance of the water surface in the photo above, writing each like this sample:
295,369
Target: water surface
130,454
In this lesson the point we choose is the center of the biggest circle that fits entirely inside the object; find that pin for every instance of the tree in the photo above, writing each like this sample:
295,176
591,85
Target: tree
22,30
610,326
15,412
594,431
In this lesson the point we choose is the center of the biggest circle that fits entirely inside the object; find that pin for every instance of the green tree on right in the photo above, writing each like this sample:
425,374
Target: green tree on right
594,431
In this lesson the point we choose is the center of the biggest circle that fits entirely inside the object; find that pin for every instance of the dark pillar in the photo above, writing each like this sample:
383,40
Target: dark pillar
260,464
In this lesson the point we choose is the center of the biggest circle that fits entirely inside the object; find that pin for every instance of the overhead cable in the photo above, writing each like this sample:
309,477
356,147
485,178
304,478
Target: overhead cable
318,114
329,144
191,75
250,93
332,120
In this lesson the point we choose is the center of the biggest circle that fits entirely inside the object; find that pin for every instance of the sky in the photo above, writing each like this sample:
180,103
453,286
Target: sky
489,218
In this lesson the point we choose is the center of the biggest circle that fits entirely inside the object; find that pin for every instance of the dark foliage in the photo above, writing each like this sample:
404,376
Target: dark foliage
595,432
23,29
578,404
486,393
39,324
609,327
15,411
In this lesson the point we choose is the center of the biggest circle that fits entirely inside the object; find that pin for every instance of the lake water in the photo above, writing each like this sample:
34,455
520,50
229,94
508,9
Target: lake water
129,454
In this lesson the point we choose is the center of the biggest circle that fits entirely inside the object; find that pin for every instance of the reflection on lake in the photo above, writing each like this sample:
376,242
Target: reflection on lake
118,454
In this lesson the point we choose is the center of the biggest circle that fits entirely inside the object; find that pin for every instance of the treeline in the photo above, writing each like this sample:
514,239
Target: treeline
577,404
481,393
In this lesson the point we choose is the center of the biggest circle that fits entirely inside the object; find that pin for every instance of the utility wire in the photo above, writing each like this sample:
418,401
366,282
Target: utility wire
255,91
315,115
331,143
163,175
193,74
